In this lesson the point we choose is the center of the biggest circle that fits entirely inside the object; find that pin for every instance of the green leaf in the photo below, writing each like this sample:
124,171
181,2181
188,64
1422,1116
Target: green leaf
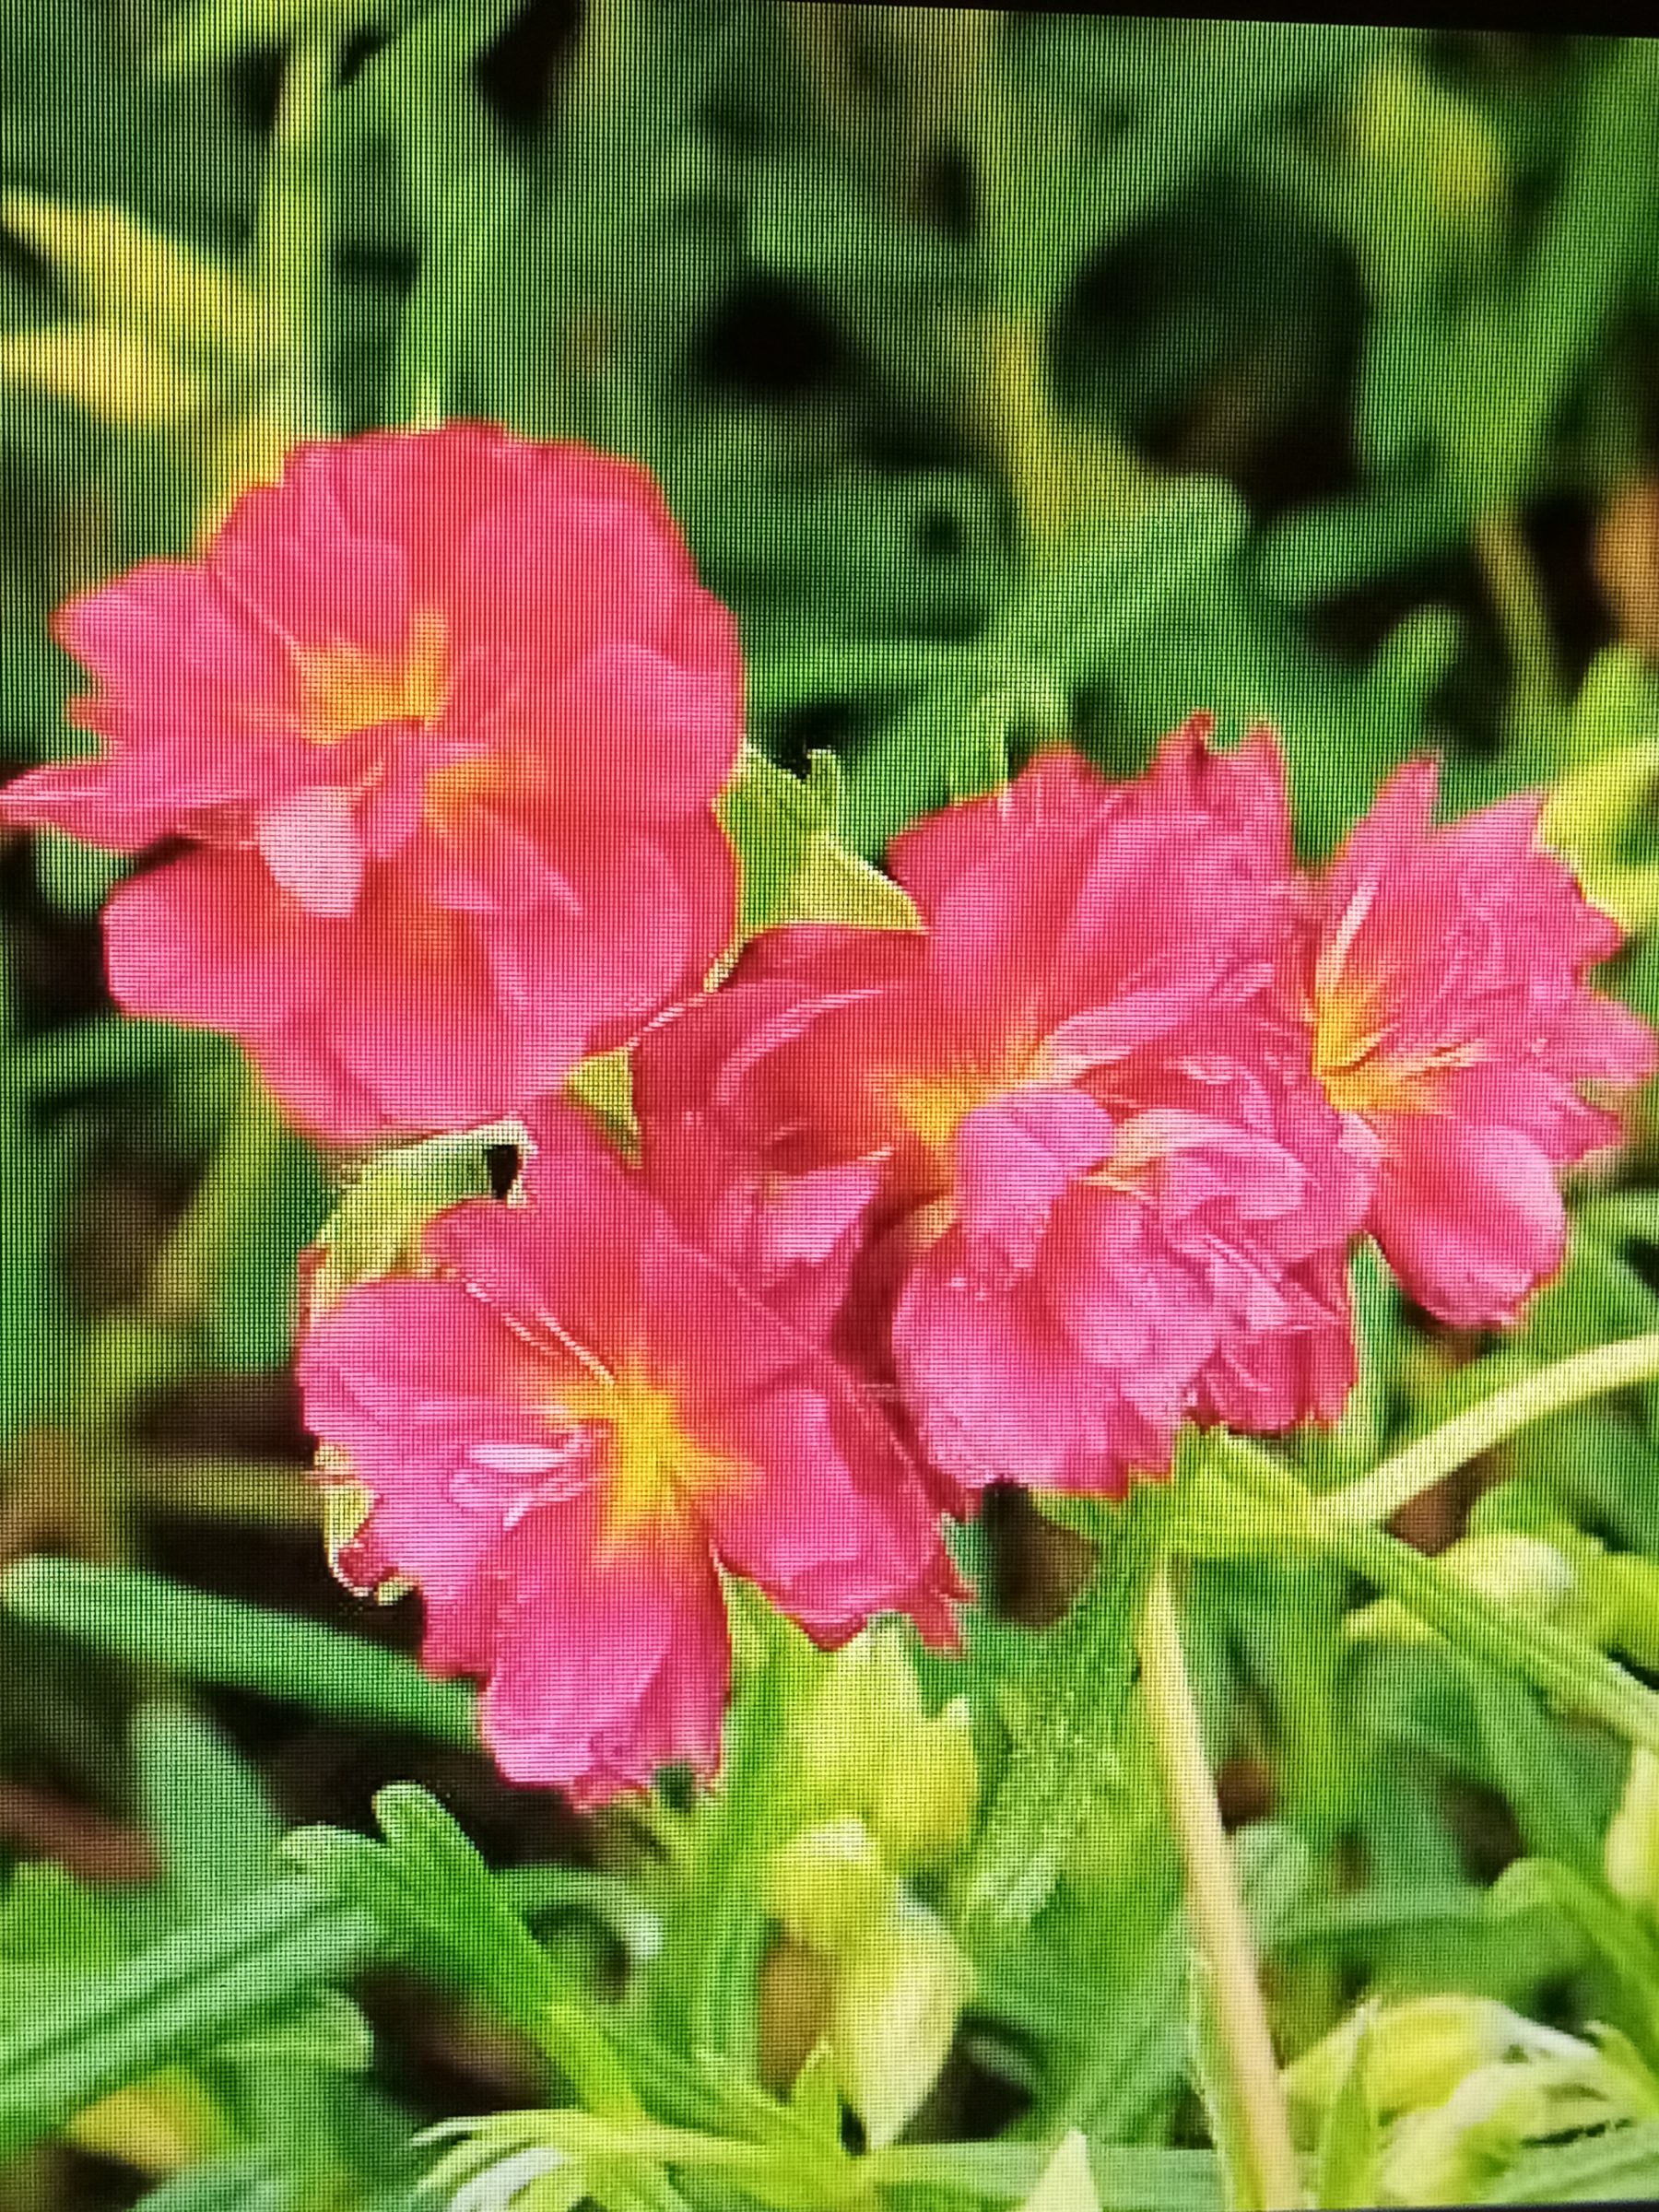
1127,2177
1064,1754
427,1887
204,1804
324,2029
1539,1769
1092,608
1617,1938
75,878
1565,1668
1029,703
1067,2183
242,2181
253,1310
1212,2078
795,866
185,1993
143,1616
1621,2165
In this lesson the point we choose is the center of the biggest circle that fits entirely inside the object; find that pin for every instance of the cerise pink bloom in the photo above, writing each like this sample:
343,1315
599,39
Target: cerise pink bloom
1097,1187
443,715
570,1431
1452,1026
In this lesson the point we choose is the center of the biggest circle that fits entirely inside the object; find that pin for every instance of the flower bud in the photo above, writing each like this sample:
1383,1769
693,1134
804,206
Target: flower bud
1513,1569
539,2179
895,2012
866,1743
1625,1588
928,1791
1423,2049
159,2126
1446,2156
1631,1852
869,1699
1067,2183
830,1885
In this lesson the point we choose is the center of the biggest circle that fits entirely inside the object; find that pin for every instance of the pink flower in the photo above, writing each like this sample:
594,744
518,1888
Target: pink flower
443,715
572,1433
1098,1189
1452,1026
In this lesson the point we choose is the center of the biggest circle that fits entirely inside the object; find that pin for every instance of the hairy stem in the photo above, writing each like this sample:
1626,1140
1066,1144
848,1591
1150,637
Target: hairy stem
1217,1909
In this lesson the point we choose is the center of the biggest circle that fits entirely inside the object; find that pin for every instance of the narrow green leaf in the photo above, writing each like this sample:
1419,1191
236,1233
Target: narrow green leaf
429,1889
143,1616
1563,1666
1621,2165
218,1829
1127,2177
184,1993
1059,1764
1068,2184
1212,2078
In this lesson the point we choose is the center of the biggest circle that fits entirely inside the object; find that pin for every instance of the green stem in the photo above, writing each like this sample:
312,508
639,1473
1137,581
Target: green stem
1019,420
1213,1902
1564,1666
1511,578
1379,1495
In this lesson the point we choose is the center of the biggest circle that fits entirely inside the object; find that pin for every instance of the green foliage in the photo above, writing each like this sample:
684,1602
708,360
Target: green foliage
1017,378
213,1640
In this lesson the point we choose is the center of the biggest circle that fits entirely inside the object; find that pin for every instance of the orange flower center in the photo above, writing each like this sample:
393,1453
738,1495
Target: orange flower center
348,690
657,1471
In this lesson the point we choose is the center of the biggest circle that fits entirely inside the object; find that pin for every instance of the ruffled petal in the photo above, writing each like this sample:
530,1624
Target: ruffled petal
612,1661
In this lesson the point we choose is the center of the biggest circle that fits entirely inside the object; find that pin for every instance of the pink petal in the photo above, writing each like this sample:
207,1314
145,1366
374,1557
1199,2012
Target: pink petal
998,1394
309,842
1012,1158
1469,1219
639,734
210,939
612,1661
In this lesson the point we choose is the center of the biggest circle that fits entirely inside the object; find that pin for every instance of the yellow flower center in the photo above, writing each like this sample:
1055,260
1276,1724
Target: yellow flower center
934,1107
448,792
348,690
657,1471
1356,1077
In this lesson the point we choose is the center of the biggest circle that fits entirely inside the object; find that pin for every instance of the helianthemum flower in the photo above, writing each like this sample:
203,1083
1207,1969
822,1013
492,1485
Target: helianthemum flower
567,1435
1097,1185
1452,1026
443,715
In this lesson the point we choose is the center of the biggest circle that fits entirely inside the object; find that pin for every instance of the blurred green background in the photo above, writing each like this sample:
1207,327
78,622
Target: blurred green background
1011,376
